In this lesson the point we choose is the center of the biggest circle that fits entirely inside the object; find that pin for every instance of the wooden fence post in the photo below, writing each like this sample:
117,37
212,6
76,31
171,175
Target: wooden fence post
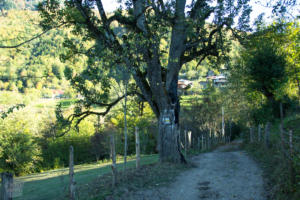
185,142
223,125
202,144
137,147
179,139
113,158
292,169
267,134
190,139
259,133
208,141
6,186
251,135
199,144
71,175
230,131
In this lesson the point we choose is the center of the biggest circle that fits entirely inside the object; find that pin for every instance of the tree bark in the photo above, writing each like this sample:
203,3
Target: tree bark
6,186
169,146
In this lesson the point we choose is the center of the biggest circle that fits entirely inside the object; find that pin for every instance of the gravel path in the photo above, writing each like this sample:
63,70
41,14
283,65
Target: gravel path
224,174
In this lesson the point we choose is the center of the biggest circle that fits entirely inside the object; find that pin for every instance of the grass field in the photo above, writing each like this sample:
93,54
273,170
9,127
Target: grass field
53,184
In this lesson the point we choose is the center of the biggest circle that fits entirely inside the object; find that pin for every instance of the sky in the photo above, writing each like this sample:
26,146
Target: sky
111,5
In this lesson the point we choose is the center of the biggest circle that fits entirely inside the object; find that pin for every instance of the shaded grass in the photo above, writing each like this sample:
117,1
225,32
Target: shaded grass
275,165
54,184
145,178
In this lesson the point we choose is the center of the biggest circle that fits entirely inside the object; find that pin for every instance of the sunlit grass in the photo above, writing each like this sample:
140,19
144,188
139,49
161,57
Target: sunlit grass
54,184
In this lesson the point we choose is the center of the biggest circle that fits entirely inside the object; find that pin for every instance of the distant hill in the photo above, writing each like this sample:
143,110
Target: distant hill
35,65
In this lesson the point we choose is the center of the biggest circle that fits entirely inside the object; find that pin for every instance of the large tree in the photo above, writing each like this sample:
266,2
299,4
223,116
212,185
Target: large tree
153,39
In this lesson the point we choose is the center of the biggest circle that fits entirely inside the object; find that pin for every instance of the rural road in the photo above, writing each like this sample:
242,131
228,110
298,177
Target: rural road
224,174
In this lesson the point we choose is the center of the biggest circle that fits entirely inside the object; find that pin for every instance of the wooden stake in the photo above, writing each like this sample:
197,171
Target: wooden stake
71,175
113,158
179,138
202,143
230,131
292,169
190,139
185,142
251,135
259,133
137,147
267,134
223,125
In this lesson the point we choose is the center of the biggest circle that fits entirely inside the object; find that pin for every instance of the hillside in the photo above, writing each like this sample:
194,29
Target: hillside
35,66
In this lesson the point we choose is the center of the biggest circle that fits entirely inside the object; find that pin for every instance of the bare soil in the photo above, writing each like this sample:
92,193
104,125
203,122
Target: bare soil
224,174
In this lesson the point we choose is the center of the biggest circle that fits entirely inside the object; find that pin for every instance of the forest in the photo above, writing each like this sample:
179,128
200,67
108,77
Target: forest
187,77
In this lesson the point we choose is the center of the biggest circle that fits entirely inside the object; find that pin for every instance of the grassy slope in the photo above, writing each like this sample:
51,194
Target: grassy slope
54,184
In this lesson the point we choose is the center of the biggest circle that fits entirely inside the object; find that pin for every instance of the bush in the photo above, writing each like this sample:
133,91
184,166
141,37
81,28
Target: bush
18,152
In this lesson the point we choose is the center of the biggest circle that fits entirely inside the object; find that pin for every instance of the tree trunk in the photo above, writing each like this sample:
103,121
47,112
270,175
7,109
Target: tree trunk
169,149
6,186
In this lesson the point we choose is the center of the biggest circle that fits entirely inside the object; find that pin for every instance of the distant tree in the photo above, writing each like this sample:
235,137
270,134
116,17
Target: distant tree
268,71
133,36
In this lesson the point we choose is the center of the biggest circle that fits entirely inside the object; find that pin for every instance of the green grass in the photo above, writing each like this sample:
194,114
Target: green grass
51,103
54,184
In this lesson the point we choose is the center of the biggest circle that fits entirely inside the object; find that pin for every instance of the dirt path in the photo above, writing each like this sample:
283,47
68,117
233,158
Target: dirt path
224,174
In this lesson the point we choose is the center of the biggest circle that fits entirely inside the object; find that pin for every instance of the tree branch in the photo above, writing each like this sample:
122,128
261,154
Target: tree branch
81,116
27,41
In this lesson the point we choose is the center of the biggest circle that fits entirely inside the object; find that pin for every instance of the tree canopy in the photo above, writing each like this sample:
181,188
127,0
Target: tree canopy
133,38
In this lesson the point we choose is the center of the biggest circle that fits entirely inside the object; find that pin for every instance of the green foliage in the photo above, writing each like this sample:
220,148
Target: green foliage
10,110
262,77
19,152
146,124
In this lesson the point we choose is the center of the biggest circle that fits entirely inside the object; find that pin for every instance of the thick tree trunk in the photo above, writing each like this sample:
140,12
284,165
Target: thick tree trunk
6,186
169,150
